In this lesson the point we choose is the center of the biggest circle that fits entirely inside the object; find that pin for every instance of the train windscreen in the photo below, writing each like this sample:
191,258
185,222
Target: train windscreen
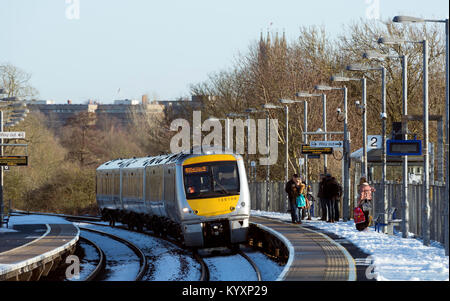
212,179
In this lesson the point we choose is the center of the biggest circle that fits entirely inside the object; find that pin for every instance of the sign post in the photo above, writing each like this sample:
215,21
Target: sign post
12,135
13,160
333,144
404,147
9,160
308,150
374,142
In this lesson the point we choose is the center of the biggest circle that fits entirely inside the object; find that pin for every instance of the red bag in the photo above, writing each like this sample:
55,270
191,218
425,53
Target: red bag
358,215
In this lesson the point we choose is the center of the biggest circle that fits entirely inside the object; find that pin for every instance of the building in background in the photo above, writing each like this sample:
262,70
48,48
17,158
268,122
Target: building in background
121,111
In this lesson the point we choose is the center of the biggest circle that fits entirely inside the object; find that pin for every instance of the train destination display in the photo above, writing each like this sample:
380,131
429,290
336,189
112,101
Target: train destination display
404,147
13,160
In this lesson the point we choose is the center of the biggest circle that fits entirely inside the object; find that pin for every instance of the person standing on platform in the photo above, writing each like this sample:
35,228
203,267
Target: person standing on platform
320,195
365,202
337,198
332,191
292,190
301,200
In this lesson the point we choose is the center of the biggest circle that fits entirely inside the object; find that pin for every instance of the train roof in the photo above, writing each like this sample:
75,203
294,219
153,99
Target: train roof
133,163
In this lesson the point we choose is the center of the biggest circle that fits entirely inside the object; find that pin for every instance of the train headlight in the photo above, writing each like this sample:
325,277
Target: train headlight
239,206
186,210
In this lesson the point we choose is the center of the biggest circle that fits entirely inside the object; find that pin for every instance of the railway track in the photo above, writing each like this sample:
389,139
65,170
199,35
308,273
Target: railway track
95,221
205,273
100,268
222,262
252,263
143,264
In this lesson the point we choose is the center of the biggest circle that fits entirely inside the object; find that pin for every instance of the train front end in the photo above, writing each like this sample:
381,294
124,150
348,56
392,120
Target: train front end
215,200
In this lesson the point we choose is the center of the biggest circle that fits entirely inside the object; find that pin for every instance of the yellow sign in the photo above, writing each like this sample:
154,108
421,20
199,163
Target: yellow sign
306,149
13,160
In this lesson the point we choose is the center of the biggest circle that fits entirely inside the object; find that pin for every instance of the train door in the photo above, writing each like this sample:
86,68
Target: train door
169,188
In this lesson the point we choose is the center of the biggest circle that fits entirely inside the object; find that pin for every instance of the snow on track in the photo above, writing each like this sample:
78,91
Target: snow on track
88,263
121,262
166,261
230,268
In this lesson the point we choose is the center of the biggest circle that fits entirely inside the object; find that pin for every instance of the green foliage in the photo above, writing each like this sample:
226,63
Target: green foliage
60,176
71,190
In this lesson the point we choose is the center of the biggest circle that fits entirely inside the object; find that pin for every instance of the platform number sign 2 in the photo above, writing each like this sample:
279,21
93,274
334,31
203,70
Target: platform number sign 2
373,141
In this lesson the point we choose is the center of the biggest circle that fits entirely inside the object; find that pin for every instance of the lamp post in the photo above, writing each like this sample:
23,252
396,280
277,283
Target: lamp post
254,111
363,80
426,163
246,115
383,136
324,119
346,151
408,19
305,122
270,106
404,59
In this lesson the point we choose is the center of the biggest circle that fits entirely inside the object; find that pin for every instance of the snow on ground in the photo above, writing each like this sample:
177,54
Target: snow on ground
167,262
122,264
230,268
35,219
395,258
270,270
5,230
88,263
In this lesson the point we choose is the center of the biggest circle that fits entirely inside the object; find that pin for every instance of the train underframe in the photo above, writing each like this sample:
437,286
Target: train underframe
208,234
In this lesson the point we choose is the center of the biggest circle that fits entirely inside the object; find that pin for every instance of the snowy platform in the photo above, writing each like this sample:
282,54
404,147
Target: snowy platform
313,256
31,247
391,257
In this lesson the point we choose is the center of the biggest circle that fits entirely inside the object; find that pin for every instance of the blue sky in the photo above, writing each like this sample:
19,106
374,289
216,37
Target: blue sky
159,47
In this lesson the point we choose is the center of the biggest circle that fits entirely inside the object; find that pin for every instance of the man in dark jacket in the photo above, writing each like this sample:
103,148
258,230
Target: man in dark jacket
332,192
336,201
323,203
292,189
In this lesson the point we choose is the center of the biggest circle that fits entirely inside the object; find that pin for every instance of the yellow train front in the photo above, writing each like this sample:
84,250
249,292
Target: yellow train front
201,199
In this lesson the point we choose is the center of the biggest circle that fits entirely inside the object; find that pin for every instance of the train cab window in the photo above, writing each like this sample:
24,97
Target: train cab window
208,180
225,178
197,183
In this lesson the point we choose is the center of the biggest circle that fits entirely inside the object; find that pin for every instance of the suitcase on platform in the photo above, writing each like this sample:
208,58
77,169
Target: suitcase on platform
358,215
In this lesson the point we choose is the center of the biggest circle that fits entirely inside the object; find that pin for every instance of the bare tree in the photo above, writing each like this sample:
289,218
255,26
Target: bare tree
16,82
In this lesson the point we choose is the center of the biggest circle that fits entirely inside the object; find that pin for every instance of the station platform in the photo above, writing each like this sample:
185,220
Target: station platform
313,255
30,251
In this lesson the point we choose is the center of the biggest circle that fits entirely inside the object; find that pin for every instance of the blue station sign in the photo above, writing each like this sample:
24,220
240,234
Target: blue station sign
404,147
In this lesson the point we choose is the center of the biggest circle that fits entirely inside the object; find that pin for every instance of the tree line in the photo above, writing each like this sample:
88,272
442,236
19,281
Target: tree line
274,68
61,172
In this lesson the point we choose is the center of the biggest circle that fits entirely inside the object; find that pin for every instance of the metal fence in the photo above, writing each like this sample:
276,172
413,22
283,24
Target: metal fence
416,207
277,202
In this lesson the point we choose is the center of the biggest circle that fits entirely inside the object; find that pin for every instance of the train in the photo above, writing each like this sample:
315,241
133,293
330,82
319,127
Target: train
200,199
